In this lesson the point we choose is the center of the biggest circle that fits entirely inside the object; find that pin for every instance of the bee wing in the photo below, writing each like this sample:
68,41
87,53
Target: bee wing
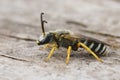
80,36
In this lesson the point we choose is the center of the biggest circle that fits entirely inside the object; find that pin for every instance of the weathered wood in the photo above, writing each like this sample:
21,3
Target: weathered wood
20,57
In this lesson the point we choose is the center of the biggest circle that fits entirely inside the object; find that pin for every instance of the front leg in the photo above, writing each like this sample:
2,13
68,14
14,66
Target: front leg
45,47
54,47
50,54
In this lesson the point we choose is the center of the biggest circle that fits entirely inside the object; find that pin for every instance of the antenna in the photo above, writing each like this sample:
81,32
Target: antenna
42,23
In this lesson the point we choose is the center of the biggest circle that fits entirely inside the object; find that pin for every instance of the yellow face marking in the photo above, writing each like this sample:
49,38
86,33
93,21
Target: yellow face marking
37,42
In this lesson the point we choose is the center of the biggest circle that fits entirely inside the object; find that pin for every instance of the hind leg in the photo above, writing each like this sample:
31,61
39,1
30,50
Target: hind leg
89,50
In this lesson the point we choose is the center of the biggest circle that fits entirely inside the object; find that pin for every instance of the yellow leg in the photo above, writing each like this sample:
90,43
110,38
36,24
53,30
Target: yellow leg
48,46
50,54
90,51
68,54
45,47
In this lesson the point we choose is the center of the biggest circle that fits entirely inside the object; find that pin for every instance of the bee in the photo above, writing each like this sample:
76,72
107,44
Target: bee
64,38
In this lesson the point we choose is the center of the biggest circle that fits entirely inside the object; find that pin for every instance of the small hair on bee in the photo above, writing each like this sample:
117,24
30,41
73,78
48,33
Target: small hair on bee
66,39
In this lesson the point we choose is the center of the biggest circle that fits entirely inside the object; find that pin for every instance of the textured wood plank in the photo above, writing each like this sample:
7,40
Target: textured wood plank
20,57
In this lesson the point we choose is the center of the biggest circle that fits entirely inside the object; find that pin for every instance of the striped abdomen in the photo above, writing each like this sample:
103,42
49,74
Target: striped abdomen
96,46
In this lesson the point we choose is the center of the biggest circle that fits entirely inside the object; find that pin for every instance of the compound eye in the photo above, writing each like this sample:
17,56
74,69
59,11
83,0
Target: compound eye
41,37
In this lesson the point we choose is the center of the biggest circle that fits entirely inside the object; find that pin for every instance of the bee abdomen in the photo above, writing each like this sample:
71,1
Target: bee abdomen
99,48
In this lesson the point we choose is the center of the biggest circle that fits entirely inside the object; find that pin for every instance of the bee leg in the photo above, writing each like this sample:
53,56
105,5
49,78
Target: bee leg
90,51
43,48
50,54
68,54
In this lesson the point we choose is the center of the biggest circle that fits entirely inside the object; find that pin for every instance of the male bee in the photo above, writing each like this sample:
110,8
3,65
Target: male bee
64,38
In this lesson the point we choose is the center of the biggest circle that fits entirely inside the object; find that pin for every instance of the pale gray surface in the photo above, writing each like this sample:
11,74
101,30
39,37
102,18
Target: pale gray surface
20,18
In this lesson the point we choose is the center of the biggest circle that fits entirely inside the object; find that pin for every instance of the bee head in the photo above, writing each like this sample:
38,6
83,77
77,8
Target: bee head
48,38
45,37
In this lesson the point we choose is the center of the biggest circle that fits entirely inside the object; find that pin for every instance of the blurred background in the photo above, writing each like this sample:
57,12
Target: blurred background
20,27
99,16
